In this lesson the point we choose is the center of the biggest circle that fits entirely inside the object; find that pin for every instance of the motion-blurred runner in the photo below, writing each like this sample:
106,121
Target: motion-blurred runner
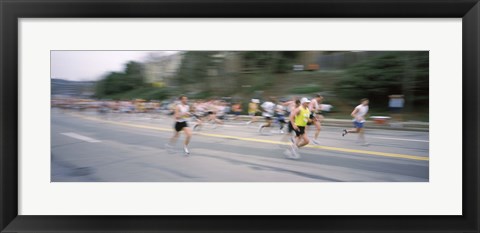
182,113
299,119
358,115
316,115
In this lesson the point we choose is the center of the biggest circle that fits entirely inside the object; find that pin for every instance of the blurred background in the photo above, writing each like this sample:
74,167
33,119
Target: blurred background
394,81
111,116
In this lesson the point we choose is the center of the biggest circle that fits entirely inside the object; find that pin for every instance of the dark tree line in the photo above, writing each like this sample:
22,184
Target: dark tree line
273,61
119,82
378,77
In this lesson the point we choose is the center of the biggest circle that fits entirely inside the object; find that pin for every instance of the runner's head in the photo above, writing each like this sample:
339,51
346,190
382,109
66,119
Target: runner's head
304,101
318,97
183,99
364,101
297,103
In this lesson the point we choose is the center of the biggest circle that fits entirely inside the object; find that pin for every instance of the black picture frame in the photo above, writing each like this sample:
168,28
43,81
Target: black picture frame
11,11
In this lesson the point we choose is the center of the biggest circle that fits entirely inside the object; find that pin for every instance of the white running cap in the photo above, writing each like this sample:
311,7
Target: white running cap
255,101
304,100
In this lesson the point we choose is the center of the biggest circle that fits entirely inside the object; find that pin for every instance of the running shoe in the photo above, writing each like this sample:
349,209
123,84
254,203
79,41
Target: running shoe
260,128
294,149
288,153
344,132
295,154
196,127
185,149
315,142
292,140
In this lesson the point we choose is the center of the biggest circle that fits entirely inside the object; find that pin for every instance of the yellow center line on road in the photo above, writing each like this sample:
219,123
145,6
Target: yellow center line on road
323,147
367,152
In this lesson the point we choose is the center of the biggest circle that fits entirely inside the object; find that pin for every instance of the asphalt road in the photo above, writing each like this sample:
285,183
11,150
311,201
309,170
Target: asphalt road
88,147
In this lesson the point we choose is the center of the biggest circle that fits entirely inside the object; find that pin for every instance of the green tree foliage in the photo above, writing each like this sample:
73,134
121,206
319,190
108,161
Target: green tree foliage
272,61
204,69
134,74
194,67
147,93
391,73
284,61
120,82
305,89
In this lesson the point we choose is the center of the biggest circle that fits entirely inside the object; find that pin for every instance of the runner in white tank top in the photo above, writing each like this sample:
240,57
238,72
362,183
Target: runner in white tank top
358,115
182,113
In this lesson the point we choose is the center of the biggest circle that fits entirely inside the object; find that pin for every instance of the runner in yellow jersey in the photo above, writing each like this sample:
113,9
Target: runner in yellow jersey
299,118
253,110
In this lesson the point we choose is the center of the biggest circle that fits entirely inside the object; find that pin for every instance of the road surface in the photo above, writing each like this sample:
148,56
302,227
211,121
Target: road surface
89,147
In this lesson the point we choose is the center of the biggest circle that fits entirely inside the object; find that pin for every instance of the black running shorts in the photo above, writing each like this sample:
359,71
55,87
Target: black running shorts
180,125
300,131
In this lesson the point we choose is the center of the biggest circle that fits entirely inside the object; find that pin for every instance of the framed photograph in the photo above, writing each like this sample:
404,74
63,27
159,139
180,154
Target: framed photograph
310,116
